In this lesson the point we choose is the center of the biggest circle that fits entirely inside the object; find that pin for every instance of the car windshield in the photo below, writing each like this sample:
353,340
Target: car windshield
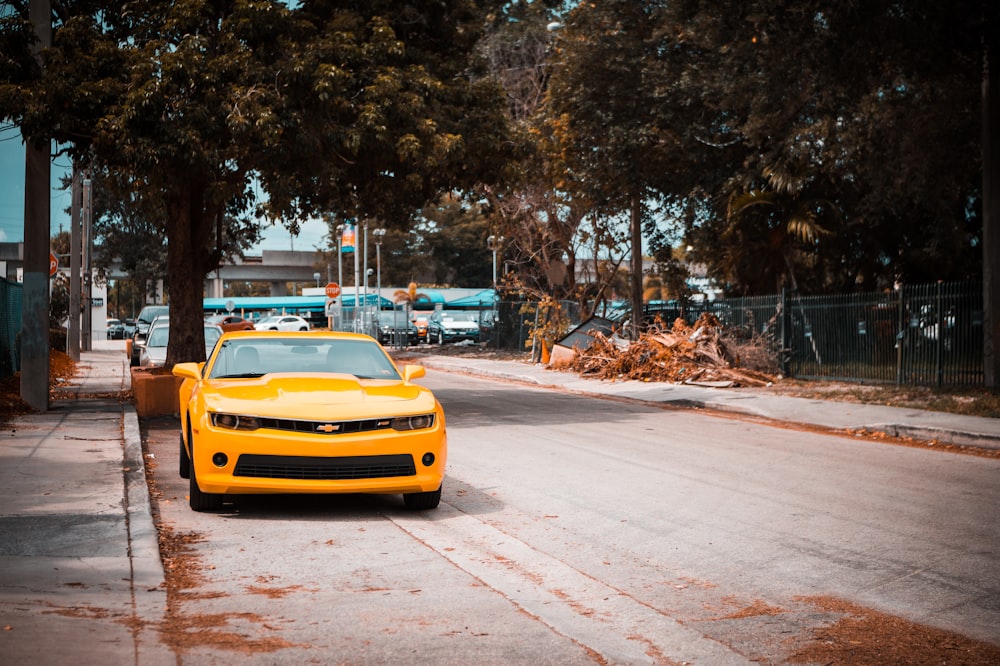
158,336
269,320
457,317
253,357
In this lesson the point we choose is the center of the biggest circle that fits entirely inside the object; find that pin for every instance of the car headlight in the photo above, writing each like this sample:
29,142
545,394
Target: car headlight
234,421
412,422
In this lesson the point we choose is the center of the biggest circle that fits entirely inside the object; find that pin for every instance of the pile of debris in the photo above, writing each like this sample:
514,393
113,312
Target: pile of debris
704,354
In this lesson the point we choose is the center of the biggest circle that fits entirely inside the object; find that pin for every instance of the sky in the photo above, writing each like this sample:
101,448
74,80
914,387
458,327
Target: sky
312,235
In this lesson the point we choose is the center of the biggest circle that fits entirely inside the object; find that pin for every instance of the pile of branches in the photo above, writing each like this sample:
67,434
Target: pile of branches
703,353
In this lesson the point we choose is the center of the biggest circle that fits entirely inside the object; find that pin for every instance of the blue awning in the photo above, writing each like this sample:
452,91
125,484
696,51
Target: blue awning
487,297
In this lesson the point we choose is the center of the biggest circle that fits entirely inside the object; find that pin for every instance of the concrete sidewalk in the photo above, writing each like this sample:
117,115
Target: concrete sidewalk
81,579
974,431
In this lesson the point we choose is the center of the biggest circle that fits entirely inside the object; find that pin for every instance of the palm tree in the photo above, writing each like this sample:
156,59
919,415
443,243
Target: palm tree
774,224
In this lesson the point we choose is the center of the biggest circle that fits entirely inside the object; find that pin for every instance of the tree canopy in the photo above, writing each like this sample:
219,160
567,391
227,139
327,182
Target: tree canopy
814,144
358,108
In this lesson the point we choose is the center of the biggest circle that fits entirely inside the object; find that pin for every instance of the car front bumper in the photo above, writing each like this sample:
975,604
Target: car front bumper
267,461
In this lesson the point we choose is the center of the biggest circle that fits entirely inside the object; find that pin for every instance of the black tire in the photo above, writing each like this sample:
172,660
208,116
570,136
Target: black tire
422,501
198,500
184,462
440,337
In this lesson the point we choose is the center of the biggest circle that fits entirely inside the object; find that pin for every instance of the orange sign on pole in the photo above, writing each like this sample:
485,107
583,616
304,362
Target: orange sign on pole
332,290
53,264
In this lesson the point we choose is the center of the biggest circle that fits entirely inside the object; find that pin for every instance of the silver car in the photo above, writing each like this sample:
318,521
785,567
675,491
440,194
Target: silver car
154,353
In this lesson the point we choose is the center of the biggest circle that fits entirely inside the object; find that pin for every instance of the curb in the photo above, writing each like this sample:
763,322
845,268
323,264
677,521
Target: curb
149,591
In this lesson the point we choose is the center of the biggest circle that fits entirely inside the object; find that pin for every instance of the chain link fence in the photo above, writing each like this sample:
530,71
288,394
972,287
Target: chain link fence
11,296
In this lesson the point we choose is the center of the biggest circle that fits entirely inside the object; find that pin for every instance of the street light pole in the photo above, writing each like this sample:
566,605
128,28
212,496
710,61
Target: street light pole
379,235
340,252
494,243
365,300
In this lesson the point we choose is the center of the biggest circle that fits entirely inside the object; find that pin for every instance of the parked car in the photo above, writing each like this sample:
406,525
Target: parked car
282,323
487,325
452,326
115,329
397,330
420,321
318,412
153,354
142,323
230,322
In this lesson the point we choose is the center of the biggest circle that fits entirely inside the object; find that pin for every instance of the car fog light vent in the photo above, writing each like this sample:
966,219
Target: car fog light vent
220,459
428,459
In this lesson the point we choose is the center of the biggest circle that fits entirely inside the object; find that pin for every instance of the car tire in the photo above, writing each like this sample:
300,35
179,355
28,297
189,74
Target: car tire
198,500
422,501
440,337
303,329
184,462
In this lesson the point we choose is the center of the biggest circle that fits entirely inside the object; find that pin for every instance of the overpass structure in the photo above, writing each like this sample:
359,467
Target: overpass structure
277,268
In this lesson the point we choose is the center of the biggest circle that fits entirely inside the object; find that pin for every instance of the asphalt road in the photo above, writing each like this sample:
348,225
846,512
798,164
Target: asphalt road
578,530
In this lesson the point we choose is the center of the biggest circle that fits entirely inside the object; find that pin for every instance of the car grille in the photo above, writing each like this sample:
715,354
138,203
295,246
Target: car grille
323,427
324,468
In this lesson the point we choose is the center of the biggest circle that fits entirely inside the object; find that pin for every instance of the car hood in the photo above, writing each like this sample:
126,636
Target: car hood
459,324
298,396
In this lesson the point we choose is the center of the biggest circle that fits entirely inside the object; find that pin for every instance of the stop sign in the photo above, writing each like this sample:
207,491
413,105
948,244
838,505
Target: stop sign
332,290
53,264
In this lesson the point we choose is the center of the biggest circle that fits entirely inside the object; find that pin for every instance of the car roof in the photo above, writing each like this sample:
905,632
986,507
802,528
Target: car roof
312,335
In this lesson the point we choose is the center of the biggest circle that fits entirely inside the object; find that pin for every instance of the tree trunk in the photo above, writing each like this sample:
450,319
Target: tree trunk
636,276
188,231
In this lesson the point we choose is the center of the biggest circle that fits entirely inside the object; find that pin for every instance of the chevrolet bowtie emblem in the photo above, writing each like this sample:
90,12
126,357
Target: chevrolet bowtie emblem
327,427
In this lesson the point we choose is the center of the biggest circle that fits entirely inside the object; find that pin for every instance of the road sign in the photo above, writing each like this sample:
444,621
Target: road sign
53,264
332,290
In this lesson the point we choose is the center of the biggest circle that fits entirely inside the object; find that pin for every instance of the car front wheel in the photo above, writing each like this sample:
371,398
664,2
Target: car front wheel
422,501
198,500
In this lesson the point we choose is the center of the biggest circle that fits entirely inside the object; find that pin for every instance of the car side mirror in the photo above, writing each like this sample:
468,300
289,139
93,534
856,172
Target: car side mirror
187,370
411,372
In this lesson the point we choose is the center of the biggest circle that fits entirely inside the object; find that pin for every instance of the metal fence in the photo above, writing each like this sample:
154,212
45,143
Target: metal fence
928,335
11,296
923,335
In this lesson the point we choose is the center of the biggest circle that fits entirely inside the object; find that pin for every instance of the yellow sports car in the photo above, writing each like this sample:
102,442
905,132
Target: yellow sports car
317,412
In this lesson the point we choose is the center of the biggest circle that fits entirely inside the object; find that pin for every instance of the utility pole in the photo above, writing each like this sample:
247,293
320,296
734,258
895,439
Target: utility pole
37,181
73,334
88,286
991,198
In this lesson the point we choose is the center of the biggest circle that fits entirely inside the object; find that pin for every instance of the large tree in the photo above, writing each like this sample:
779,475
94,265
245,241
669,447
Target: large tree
866,110
359,108
602,110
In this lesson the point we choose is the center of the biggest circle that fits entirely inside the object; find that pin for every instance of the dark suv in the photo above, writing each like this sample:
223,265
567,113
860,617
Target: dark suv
142,322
